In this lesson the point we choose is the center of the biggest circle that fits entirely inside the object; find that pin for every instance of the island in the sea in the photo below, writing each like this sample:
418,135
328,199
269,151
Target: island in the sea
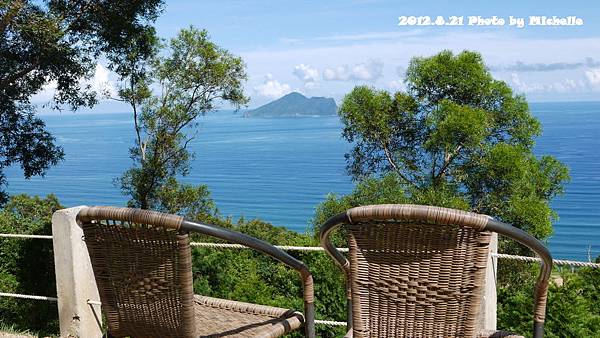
295,105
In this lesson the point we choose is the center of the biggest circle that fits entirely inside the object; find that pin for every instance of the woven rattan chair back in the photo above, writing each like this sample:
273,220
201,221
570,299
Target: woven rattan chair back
415,271
143,269
415,279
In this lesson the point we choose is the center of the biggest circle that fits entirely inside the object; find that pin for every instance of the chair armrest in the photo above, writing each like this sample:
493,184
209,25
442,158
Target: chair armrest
541,286
269,249
497,334
326,229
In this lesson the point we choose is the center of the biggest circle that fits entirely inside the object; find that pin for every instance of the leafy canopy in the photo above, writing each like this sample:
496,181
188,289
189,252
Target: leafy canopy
27,265
193,77
461,139
57,43
572,307
456,137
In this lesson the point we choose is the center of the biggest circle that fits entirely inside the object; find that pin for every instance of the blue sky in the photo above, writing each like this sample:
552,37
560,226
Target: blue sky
324,48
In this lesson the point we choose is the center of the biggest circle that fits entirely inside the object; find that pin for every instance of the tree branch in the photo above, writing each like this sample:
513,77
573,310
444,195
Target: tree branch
135,119
185,144
14,77
156,156
80,13
389,157
433,165
447,161
191,102
390,160
194,99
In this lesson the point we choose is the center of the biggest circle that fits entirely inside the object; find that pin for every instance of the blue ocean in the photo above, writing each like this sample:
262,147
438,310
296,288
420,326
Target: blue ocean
280,169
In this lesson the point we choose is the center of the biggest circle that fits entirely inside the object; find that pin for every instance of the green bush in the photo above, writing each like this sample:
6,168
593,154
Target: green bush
27,265
249,276
572,307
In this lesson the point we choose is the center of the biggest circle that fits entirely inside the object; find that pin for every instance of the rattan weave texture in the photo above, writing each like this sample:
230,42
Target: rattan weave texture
411,279
132,215
423,213
144,278
143,270
226,318
418,271
498,334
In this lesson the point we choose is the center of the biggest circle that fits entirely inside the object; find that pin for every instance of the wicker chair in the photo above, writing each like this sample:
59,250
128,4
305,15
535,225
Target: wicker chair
143,268
419,271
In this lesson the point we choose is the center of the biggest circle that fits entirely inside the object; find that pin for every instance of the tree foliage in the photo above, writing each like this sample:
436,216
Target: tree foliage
56,43
572,307
459,138
456,137
250,276
27,265
193,77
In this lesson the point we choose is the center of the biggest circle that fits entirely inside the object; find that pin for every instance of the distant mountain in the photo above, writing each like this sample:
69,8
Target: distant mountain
295,104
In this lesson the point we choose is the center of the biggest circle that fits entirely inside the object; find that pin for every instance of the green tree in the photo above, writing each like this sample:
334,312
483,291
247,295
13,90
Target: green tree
58,42
457,137
27,265
193,77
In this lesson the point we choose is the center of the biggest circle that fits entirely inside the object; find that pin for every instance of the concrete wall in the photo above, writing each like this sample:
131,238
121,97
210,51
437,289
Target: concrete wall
75,283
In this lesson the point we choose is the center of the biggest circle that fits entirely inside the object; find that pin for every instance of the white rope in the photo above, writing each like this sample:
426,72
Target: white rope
284,247
26,236
330,322
318,248
555,261
17,295
219,245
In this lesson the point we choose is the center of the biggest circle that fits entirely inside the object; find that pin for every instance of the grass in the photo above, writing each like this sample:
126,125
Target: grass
10,332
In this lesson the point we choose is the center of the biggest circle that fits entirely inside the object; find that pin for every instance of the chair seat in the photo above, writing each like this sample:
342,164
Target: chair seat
226,318
482,334
498,334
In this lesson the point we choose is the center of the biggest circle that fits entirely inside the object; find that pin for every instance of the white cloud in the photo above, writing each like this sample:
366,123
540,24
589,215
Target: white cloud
358,37
306,73
593,77
401,71
101,83
272,88
397,85
366,71
546,67
497,48
567,85
311,85
525,87
330,74
46,94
